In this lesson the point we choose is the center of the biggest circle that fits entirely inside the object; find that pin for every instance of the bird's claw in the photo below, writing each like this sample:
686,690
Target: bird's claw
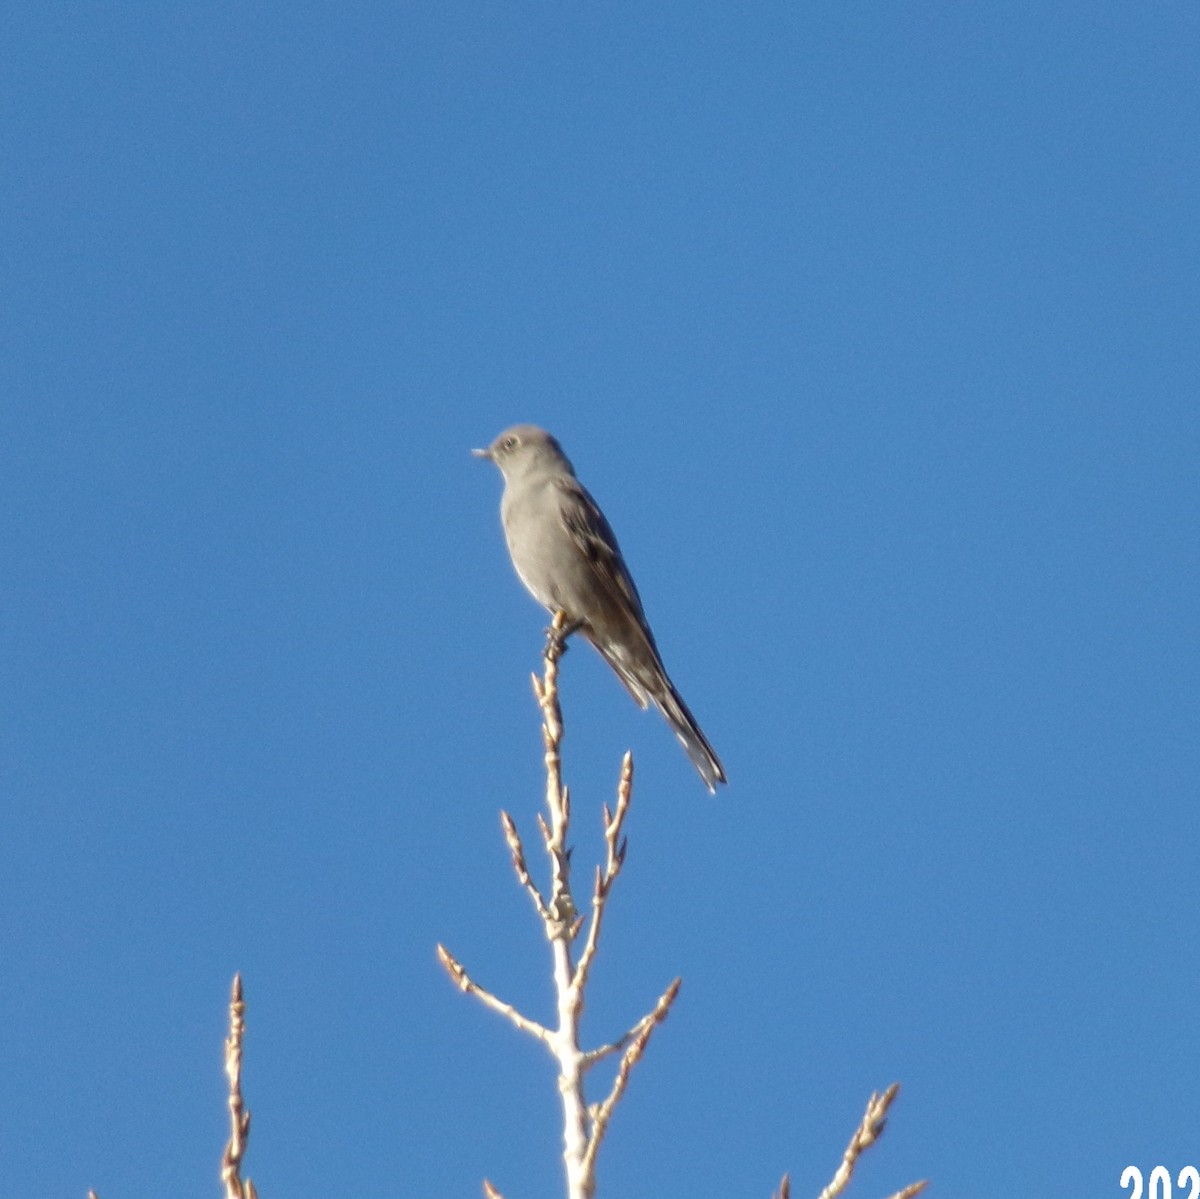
557,634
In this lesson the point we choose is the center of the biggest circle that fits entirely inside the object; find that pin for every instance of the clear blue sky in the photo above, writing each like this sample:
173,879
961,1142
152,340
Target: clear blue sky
874,329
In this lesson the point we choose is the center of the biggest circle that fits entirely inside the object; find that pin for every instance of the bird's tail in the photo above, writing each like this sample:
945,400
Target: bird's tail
683,724
647,681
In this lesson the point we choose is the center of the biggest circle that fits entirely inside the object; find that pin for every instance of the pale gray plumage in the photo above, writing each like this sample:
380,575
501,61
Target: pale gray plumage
565,553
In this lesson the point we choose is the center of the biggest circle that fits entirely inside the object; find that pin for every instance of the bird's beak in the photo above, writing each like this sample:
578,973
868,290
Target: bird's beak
482,453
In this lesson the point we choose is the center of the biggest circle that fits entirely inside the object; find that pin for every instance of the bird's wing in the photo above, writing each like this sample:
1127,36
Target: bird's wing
590,530
618,630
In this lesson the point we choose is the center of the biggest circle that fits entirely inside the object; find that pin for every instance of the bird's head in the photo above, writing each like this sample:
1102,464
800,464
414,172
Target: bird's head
523,448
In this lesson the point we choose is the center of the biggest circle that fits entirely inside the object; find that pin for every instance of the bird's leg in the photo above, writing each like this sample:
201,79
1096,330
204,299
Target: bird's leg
556,635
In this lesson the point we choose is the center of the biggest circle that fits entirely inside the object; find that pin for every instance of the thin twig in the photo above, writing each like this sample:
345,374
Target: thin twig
558,797
785,1189
913,1188
865,1135
239,1116
490,1191
613,824
598,1055
633,1054
518,861
642,1028
463,981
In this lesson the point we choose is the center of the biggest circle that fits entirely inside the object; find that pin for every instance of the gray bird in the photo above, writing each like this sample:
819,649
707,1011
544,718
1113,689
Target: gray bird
565,553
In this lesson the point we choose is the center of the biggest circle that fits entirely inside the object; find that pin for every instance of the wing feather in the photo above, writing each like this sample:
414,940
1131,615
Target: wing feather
590,530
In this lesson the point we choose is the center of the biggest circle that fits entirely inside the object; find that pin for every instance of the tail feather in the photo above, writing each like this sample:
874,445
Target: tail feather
645,679
695,743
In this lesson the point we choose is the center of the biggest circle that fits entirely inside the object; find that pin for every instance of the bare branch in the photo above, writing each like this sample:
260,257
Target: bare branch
599,1054
642,1028
613,825
865,1135
490,1191
584,1125
518,861
785,1189
463,981
558,799
641,1038
239,1116
913,1188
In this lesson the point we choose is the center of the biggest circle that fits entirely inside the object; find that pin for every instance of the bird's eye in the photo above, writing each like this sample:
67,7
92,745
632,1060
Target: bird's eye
508,443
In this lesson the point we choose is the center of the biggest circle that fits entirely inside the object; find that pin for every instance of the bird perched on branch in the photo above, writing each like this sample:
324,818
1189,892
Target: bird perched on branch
565,553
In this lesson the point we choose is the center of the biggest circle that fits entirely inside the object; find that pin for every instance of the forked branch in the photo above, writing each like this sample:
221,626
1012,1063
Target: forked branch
584,1126
869,1130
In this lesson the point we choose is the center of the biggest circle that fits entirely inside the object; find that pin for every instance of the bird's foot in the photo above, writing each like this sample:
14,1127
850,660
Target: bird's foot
557,634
